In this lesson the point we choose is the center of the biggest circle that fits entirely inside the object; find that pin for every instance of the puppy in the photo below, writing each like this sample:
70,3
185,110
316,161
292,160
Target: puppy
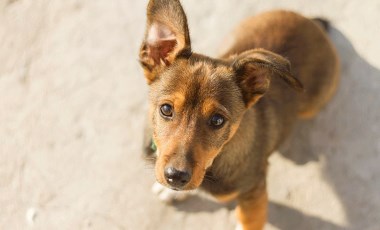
215,121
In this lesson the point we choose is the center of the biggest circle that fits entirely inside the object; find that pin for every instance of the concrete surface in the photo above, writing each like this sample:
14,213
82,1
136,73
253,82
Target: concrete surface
72,100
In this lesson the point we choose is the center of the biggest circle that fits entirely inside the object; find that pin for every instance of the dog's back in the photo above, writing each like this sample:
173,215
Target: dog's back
305,43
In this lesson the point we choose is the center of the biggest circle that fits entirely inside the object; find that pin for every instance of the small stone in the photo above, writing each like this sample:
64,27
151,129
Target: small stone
31,215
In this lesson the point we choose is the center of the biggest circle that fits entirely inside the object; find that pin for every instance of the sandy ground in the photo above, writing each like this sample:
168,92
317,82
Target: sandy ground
73,98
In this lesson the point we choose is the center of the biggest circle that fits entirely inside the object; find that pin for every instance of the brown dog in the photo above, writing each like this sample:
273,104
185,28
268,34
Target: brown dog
215,121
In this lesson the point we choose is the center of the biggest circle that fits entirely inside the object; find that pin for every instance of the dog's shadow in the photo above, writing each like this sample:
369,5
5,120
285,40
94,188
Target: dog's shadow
347,134
199,204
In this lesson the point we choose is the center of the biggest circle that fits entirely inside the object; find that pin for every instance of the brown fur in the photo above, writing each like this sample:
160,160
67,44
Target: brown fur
251,85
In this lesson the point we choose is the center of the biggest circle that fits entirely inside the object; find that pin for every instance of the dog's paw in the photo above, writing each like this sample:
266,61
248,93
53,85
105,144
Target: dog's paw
168,195
238,227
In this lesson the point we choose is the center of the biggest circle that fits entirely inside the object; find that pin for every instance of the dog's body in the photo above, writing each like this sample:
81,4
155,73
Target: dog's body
216,121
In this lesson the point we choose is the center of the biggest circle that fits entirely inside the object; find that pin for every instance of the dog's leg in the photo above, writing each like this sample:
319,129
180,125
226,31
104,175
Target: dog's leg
252,210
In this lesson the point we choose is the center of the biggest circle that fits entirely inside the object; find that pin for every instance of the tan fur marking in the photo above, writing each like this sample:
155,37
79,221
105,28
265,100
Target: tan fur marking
178,100
211,106
160,164
252,212
309,114
203,161
227,197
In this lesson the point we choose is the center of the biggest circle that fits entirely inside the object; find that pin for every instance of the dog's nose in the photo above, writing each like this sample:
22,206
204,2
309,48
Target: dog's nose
177,178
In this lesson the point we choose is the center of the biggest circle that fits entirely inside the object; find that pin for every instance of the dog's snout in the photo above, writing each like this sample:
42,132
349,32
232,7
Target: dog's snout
177,178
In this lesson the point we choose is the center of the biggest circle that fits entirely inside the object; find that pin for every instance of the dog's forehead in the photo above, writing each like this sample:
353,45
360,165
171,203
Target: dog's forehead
197,79
197,84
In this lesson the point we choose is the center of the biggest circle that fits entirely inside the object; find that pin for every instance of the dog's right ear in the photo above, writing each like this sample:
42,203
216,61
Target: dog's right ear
166,36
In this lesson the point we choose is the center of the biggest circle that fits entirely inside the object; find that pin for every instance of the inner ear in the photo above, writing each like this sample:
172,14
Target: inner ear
254,82
159,32
161,41
166,37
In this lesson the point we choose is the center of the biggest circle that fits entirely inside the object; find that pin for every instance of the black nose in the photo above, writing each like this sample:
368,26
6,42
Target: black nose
177,178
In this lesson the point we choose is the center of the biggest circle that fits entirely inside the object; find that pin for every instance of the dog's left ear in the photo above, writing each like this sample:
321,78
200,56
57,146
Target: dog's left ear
166,36
254,69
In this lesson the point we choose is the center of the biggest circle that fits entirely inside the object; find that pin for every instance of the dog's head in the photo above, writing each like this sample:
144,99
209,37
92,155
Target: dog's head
196,102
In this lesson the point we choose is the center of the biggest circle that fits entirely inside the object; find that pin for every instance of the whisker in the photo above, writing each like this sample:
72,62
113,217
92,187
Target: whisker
209,178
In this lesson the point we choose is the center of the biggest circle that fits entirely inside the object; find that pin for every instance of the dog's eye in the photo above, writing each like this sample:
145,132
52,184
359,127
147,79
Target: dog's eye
166,111
217,121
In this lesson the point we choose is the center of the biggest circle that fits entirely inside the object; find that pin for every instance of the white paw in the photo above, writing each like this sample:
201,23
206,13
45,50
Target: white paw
168,195
239,226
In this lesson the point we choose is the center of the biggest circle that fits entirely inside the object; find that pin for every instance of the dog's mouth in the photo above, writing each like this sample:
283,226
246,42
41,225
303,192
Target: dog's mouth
180,188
